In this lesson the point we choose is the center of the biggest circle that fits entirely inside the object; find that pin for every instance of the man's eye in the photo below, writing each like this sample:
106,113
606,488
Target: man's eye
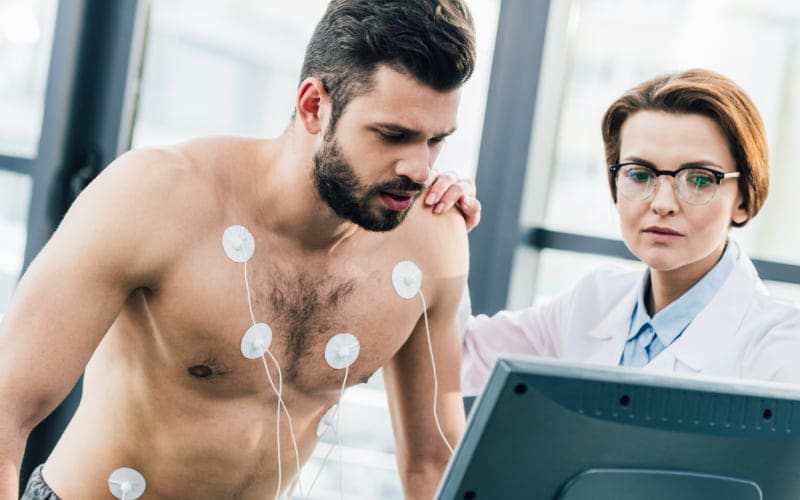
435,141
393,138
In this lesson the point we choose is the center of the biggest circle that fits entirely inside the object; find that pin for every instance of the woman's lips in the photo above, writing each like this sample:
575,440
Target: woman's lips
660,234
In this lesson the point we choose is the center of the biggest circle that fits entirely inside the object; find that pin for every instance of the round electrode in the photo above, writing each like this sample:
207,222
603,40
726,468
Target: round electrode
126,483
327,421
256,340
406,278
342,350
238,243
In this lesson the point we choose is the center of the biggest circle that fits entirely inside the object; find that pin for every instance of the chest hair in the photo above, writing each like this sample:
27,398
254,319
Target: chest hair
303,308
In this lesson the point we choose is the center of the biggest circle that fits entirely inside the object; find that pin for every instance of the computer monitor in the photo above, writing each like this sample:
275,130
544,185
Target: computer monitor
552,430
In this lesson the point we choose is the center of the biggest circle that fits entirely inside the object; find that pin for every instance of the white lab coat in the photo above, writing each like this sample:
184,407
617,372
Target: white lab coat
743,332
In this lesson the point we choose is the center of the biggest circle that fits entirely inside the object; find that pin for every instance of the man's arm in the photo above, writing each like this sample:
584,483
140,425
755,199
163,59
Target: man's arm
70,296
421,452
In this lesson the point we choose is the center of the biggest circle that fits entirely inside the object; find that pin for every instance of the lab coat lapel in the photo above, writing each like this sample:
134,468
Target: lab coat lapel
703,342
607,340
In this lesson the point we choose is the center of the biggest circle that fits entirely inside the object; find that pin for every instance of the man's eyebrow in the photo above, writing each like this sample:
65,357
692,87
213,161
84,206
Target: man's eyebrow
394,128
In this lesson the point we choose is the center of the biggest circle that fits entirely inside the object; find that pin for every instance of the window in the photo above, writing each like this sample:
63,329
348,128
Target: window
15,193
26,33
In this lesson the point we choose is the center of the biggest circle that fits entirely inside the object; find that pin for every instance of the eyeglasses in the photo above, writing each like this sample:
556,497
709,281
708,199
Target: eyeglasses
694,185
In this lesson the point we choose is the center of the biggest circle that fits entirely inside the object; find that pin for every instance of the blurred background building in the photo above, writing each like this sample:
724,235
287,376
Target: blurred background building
81,81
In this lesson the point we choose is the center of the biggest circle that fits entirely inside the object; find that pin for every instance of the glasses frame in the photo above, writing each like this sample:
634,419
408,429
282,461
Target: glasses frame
718,177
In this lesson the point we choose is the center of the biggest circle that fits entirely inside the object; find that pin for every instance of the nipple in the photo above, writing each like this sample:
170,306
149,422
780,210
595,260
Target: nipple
256,341
342,350
406,279
126,483
238,243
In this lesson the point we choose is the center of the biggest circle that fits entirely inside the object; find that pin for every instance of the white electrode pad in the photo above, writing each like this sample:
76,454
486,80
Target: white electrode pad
256,341
342,350
406,278
238,243
327,421
126,483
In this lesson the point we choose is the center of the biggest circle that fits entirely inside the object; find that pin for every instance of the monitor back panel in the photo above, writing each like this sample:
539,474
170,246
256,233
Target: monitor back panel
539,425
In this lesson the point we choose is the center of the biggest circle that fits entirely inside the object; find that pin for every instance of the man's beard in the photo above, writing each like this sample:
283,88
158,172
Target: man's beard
339,187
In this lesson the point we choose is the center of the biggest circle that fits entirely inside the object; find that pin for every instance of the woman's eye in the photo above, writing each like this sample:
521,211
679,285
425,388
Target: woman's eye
639,175
699,179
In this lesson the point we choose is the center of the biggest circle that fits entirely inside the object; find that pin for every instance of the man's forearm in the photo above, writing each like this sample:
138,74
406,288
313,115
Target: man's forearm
9,479
12,448
421,482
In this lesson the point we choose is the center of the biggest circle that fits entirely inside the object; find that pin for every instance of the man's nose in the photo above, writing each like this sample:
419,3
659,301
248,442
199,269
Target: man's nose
416,164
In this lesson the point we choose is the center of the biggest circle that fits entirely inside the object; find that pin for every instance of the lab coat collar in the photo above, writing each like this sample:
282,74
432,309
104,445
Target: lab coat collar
705,338
702,341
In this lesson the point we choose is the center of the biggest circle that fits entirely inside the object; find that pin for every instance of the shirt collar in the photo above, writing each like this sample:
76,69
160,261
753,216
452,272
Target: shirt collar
671,321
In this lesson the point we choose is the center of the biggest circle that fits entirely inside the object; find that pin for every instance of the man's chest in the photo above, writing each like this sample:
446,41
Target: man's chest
305,307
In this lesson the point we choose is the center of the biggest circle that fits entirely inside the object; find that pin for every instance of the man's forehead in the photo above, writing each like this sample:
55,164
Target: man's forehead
399,100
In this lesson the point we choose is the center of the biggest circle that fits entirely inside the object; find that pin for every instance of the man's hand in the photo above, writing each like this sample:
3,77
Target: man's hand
447,190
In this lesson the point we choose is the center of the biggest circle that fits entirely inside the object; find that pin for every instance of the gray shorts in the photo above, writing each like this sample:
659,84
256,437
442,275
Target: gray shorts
37,489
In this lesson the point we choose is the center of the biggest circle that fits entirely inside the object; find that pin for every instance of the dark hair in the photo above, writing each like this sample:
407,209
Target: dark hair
712,95
432,40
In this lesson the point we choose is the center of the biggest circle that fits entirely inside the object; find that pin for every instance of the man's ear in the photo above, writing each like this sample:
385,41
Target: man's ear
311,102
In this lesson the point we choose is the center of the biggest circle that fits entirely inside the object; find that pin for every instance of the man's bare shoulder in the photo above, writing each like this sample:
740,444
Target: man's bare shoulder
217,151
189,175
143,208
147,181
440,239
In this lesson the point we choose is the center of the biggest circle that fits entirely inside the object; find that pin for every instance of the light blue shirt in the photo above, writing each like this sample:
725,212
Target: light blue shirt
648,337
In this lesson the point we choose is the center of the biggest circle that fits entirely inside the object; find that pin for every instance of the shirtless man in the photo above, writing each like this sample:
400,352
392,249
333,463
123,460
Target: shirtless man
136,288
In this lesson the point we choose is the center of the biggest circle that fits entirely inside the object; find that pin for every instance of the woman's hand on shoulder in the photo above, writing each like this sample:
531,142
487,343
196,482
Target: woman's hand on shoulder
448,190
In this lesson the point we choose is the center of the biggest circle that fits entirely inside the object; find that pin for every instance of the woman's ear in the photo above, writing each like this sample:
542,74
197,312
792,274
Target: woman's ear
311,101
740,214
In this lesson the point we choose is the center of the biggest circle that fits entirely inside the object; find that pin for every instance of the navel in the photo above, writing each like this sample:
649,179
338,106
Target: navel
200,371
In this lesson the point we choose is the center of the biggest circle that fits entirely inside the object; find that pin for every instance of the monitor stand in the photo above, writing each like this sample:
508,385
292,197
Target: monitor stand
654,484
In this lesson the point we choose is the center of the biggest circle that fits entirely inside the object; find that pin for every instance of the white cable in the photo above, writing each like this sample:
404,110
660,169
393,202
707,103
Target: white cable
277,426
247,289
435,377
288,418
338,441
279,392
324,460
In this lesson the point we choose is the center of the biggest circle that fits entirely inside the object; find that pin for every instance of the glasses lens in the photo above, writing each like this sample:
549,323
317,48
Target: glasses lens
635,182
696,185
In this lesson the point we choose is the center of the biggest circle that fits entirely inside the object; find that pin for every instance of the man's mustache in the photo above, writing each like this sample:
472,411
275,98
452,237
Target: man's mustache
400,184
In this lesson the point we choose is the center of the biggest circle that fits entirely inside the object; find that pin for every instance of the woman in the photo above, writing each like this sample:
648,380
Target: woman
687,158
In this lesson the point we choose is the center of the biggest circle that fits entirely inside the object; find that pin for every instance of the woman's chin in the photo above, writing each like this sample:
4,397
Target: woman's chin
660,259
